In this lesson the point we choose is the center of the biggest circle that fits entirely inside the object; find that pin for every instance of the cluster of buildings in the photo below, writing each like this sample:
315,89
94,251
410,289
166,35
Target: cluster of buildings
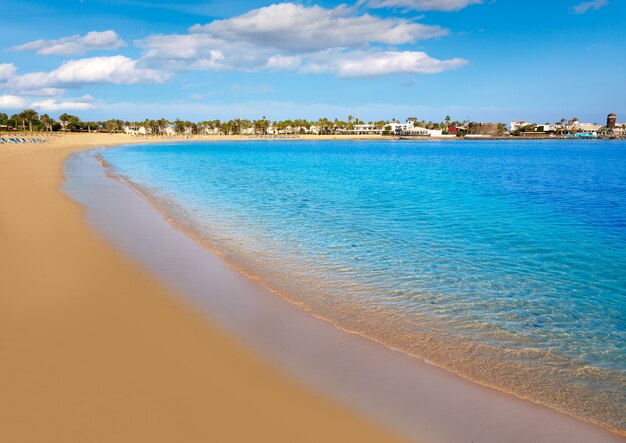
167,130
408,129
411,128
572,128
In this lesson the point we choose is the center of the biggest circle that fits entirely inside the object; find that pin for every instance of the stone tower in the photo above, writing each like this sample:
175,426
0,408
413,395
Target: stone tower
610,121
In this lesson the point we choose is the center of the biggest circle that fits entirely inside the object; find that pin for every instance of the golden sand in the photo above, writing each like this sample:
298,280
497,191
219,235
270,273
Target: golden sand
94,349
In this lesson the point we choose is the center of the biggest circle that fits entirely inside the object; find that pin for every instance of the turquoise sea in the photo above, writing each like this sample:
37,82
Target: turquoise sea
504,262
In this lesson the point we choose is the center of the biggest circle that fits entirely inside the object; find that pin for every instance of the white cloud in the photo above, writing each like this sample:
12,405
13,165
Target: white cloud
175,52
196,52
290,36
42,92
7,70
76,73
294,27
12,102
424,5
84,103
376,64
75,44
279,37
283,62
586,6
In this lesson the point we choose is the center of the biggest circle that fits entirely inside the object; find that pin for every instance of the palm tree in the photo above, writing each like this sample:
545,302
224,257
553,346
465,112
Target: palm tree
179,126
18,120
47,121
110,125
350,125
70,121
64,118
162,124
29,115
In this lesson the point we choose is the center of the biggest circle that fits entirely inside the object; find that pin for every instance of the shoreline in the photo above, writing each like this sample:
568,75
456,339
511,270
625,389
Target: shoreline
150,139
95,348
464,380
475,355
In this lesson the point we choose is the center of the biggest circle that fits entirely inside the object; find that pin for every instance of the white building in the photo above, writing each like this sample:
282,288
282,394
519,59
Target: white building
418,131
515,126
397,128
209,130
577,126
367,129
415,131
136,130
588,127
618,130
410,130
548,128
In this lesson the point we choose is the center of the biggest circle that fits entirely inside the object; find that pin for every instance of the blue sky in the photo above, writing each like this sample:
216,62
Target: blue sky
376,59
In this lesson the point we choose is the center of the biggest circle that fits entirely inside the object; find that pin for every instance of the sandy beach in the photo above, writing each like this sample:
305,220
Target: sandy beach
116,327
94,349
306,221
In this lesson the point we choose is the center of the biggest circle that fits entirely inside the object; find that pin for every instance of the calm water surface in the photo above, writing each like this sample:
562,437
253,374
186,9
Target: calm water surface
502,261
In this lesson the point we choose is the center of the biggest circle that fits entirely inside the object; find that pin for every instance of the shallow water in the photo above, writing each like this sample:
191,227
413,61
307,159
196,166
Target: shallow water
501,261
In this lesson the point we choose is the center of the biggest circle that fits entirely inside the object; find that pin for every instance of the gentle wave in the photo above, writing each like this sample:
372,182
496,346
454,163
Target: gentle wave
502,262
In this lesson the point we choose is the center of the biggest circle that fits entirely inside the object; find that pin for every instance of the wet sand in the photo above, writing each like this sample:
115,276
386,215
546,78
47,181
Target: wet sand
95,349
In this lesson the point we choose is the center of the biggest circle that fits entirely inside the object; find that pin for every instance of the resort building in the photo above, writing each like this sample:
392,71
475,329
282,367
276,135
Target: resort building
397,127
418,131
366,129
575,126
589,127
533,130
547,128
210,130
516,126
136,130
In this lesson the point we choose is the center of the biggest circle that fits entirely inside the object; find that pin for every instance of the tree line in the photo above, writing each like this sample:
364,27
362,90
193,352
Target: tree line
31,120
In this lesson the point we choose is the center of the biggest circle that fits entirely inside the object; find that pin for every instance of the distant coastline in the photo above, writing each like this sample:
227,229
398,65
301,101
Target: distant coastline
51,137
29,121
